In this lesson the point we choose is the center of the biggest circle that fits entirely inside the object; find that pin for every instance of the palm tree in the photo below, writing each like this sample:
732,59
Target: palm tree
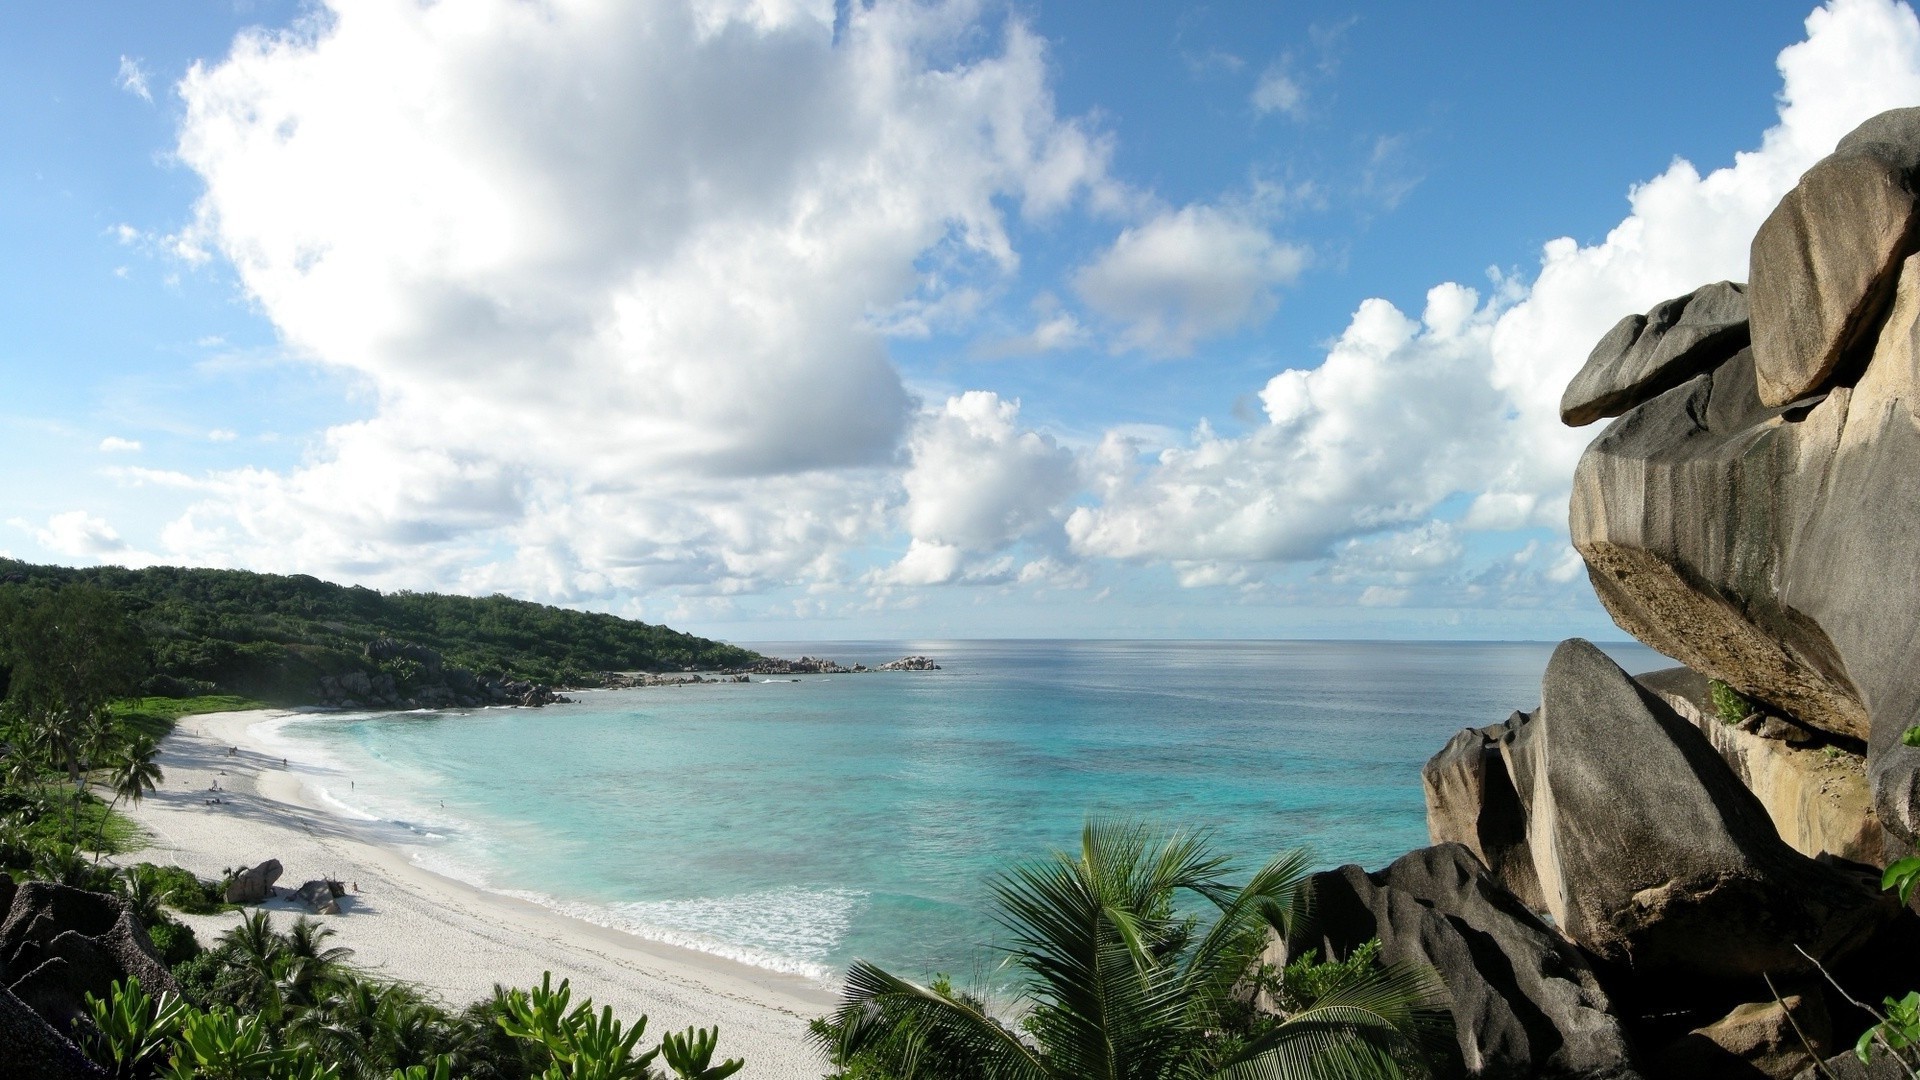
1116,984
135,775
252,954
307,969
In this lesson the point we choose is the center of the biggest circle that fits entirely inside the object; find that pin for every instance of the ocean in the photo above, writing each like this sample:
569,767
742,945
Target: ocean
797,825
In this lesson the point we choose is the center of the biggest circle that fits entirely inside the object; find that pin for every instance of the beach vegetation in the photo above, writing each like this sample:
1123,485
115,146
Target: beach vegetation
1119,978
277,1003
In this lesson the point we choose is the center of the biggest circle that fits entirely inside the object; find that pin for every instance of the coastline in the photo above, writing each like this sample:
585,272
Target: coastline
455,939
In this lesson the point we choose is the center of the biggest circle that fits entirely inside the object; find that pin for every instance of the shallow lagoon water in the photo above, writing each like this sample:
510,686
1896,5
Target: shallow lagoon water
798,825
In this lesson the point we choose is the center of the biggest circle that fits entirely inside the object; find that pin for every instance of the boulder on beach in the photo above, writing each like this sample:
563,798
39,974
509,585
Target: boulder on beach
253,885
320,896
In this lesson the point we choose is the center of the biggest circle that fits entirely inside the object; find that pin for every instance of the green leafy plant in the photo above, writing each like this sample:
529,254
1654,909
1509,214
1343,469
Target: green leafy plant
224,1045
1911,736
440,1069
1729,704
1901,876
690,1055
133,1030
1117,983
1898,1029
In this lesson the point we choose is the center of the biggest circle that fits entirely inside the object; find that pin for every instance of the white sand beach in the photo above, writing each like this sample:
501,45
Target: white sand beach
458,941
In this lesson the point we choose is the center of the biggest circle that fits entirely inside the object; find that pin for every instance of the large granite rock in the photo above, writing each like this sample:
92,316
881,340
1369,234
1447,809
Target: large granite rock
1758,1039
1525,1004
1644,356
1646,849
1815,793
1471,802
1775,548
253,885
1823,264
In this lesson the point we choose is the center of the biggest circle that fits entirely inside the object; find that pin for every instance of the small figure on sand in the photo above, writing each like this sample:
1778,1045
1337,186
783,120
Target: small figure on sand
356,886
232,750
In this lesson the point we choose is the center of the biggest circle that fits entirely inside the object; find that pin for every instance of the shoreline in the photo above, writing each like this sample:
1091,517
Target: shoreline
453,938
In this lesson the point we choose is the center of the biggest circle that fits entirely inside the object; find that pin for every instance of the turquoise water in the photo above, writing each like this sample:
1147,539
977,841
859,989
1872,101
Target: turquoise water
797,825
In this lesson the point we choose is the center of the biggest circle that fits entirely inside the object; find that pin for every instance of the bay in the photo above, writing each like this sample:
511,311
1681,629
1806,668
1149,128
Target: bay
797,825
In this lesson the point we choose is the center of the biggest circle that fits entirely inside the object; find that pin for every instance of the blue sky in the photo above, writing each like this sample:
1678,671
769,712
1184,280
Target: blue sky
969,319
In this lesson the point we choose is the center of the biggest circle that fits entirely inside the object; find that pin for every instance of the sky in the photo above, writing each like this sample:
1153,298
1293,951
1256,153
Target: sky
795,320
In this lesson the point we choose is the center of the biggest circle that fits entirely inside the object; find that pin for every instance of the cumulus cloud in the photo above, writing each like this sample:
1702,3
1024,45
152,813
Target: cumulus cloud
1186,275
1463,403
77,534
114,444
976,484
638,258
1368,440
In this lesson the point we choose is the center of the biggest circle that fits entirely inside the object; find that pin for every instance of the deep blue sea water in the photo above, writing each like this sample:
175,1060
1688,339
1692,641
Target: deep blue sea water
797,825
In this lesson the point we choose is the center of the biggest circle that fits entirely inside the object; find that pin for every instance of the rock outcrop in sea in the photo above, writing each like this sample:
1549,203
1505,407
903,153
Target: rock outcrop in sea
1630,880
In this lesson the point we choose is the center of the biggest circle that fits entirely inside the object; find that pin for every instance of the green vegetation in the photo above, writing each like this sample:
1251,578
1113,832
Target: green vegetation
1731,705
271,1005
1116,982
272,637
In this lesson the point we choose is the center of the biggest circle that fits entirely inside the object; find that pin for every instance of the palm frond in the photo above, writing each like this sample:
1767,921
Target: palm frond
875,1002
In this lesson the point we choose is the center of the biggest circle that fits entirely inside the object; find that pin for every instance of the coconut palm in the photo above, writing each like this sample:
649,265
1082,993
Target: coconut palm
251,956
307,969
134,775
1116,984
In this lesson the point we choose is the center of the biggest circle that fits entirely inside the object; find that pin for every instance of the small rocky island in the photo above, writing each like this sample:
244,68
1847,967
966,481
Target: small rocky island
1679,875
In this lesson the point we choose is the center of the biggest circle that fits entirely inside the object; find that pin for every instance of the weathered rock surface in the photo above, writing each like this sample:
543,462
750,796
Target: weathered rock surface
1643,356
1816,795
1823,264
1471,802
1762,1038
33,1048
1648,851
1774,548
253,885
321,897
1525,1004
59,943
1845,1066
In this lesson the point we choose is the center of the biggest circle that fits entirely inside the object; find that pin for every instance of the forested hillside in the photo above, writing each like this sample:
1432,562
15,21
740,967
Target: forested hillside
273,636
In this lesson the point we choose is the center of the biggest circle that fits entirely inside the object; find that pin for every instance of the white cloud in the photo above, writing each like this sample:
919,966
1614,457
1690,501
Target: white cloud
1368,440
1187,275
977,483
1276,92
133,78
633,259
114,444
77,534
1403,415
222,435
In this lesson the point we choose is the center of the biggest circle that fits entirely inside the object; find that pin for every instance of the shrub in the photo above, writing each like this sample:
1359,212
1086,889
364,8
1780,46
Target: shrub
182,890
1731,705
174,941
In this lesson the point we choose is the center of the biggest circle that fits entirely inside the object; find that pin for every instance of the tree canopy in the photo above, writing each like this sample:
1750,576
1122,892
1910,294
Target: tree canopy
272,636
